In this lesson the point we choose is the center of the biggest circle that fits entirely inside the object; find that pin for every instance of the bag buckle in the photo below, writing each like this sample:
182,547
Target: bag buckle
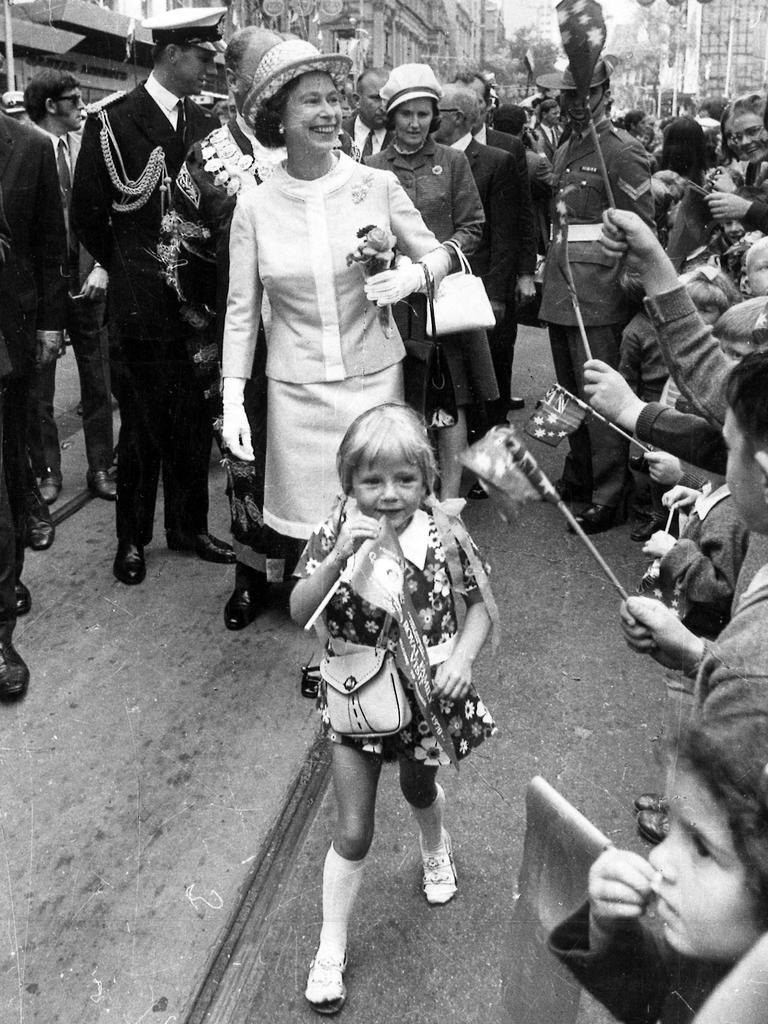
350,683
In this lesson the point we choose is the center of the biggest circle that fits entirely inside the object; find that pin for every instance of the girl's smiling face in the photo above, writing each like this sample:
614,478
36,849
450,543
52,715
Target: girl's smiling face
747,137
702,895
389,486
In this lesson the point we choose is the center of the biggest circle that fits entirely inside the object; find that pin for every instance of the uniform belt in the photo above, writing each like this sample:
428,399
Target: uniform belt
582,232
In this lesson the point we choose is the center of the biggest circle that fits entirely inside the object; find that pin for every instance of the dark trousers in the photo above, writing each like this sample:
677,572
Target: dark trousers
18,473
88,335
597,461
501,340
8,546
164,424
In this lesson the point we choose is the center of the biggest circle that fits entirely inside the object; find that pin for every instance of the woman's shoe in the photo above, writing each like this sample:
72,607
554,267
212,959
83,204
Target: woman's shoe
326,992
651,802
439,879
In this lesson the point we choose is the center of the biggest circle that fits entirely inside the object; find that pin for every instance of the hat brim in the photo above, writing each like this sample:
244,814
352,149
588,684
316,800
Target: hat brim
416,93
333,64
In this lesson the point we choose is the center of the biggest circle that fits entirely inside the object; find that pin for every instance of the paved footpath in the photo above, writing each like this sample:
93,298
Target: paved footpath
155,752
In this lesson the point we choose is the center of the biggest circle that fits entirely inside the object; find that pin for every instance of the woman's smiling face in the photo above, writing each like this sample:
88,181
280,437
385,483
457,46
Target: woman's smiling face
312,115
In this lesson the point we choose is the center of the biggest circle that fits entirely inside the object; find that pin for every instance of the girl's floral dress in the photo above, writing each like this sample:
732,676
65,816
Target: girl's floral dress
349,617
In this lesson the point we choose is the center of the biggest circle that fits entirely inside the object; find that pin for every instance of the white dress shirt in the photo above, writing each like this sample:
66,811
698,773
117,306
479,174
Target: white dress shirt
361,134
168,103
462,143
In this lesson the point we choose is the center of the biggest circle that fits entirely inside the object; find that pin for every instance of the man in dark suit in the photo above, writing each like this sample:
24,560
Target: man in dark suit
54,103
119,198
549,128
506,257
367,127
33,290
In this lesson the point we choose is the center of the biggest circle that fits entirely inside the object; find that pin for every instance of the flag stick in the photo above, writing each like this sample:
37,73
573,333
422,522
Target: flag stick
601,162
580,322
604,419
321,607
510,448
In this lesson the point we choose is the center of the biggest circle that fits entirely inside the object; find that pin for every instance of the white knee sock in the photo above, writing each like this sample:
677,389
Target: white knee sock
341,883
430,821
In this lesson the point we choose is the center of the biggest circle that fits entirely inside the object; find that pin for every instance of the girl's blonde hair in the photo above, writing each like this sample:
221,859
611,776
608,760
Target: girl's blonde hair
388,431
710,287
737,323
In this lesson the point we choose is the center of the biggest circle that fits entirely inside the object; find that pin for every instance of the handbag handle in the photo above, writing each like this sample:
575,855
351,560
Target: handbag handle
463,261
429,287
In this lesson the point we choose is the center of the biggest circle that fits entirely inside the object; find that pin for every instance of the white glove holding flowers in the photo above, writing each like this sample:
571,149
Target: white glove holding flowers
390,286
236,430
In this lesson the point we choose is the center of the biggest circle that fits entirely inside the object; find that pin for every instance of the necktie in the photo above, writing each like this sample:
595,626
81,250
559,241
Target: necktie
65,183
181,122
367,147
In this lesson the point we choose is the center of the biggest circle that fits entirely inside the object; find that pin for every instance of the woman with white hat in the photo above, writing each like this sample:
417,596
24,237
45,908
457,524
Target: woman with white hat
331,353
439,181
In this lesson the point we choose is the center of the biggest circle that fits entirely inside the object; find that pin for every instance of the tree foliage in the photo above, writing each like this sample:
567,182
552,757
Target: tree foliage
508,63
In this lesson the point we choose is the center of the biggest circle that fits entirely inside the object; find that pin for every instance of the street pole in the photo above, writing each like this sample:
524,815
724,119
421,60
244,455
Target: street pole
482,33
10,77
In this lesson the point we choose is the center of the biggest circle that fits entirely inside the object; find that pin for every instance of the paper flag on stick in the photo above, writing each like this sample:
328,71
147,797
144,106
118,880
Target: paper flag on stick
500,459
557,415
582,29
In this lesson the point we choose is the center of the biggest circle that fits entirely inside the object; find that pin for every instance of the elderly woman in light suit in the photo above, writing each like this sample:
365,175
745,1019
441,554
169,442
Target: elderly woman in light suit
331,353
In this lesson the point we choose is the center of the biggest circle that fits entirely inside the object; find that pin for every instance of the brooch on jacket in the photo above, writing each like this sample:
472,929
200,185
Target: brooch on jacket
360,191
437,169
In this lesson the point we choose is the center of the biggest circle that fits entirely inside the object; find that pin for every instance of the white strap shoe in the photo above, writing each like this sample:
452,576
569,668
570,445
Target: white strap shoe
326,992
439,881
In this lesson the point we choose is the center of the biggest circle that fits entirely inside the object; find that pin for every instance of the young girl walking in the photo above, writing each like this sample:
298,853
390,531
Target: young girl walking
387,470
706,884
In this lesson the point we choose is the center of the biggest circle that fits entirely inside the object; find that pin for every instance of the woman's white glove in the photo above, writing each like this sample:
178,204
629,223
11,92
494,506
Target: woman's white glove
390,286
236,431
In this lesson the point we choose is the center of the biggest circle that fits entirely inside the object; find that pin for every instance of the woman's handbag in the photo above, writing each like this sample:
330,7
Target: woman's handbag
427,380
364,693
461,302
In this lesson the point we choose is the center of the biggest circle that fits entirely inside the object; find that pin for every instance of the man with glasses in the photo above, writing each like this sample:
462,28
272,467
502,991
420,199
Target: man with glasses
55,104
133,147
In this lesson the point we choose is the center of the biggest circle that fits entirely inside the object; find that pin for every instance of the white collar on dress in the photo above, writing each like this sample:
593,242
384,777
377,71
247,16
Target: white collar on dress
707,502
414,539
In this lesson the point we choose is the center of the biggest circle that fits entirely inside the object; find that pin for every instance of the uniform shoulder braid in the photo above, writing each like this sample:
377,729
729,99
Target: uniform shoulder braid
105,101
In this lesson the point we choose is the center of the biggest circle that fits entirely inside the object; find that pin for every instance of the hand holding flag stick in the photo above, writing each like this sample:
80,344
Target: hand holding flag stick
559,413
509,472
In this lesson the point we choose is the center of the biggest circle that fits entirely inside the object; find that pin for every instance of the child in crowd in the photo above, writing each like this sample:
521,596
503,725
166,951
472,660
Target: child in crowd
706,884
713,294
756,267
387,470
701,567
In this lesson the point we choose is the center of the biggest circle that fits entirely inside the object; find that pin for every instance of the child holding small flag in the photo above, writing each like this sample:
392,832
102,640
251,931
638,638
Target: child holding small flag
387,470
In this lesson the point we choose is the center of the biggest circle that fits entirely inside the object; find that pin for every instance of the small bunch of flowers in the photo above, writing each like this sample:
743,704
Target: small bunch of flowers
375,251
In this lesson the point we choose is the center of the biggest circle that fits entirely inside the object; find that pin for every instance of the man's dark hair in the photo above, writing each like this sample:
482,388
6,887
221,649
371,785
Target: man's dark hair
468,76
49,84
746,392
632,119
510,118
547,105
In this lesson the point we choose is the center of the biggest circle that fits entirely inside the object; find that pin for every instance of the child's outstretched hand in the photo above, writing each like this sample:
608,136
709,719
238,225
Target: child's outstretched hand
663,468
652,628
626,234
680,496
659,544
609,394
620,884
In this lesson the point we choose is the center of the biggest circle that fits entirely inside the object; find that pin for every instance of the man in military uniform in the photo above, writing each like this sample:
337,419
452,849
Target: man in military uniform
133,147
194,250
595,468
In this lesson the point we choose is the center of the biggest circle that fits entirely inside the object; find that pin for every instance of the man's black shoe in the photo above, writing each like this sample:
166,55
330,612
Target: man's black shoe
596,519
209,548
40,531
14,674
101,484
129,566
23,599
243,606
